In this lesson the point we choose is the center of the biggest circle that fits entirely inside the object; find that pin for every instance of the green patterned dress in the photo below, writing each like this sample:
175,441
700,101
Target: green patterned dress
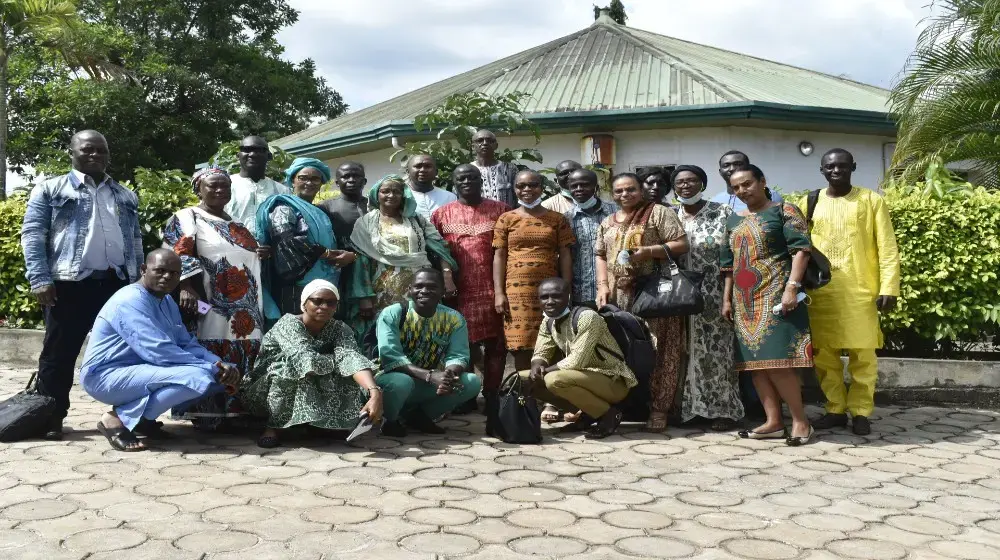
304,379
759,254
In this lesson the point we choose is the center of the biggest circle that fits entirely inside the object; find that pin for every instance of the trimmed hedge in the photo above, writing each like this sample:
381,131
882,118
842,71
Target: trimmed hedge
949,244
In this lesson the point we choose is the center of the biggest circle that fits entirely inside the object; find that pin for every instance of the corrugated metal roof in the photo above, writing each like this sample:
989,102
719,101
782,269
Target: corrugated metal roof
609,66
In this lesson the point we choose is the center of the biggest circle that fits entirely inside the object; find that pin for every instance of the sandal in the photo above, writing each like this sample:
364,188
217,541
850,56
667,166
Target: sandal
152,429
657,422
121,438
551,414
722,425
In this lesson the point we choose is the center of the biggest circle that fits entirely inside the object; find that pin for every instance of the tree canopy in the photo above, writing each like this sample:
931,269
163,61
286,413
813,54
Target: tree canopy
202,72
616,11
948,102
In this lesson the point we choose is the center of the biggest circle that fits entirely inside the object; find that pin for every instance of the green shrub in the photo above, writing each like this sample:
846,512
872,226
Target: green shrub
161,194
949,242
18,307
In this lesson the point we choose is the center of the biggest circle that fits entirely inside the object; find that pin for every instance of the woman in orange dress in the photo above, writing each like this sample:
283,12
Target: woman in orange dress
532,244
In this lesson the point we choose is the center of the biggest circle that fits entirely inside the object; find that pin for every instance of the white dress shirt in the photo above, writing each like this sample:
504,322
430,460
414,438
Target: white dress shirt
248,195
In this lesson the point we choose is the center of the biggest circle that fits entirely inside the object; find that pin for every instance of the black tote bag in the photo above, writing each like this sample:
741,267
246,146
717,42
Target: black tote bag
674,295
26,414
519,420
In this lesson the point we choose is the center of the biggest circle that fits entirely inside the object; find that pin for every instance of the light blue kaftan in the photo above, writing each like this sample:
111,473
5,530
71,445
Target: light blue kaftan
142,360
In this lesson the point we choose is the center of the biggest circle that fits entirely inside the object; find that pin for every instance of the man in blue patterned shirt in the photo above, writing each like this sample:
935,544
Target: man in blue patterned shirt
82,244
584,217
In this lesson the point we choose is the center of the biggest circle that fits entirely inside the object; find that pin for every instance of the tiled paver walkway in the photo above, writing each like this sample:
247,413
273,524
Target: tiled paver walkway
925,486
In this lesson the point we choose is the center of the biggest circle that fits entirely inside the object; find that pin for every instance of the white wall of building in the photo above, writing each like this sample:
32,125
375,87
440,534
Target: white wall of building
773,150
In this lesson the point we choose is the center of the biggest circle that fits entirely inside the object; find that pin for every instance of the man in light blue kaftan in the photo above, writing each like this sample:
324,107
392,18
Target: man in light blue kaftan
142,361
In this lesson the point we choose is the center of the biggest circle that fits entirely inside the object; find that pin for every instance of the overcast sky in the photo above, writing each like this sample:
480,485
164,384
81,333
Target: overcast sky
373,50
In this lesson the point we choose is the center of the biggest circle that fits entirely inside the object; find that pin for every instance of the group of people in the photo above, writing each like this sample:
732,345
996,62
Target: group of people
381,303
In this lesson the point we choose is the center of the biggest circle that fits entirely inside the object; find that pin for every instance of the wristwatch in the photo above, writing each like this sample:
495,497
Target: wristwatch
376,388
794,284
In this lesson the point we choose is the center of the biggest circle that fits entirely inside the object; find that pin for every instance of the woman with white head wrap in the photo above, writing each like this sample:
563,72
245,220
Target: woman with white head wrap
310,371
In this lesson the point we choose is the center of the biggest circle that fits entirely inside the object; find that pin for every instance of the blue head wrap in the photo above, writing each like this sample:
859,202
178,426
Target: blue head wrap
303,162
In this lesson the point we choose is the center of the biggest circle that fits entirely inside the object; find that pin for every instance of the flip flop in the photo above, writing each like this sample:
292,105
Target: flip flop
120,438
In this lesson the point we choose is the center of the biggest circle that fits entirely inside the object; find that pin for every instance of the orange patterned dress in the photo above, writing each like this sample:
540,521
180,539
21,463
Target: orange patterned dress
532,245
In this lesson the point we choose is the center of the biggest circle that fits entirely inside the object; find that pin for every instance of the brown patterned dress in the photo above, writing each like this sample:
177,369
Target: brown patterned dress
651,225
532,245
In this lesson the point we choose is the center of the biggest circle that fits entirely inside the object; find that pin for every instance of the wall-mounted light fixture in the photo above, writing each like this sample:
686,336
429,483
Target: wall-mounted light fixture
805,148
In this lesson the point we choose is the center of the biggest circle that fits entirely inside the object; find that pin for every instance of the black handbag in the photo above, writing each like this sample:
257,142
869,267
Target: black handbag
26,414
675,295
518,418
818,270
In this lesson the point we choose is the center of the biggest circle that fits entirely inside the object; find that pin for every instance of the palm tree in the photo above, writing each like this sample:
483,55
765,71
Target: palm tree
53,24
948,101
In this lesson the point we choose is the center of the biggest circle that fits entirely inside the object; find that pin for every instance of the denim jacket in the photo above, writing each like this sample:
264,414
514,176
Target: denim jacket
56,225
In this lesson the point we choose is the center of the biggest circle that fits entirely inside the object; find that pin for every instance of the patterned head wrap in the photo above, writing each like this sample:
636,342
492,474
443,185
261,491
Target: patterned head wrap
303,162
205,172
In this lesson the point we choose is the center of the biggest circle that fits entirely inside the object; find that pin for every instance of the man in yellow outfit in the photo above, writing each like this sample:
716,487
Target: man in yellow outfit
851,226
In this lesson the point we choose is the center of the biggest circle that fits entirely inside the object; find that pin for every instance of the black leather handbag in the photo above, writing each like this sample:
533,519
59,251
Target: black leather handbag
674,295
518,417
26,414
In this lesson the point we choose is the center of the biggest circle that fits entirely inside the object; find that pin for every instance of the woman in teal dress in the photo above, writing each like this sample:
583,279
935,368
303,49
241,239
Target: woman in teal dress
392,243
302,238
764,262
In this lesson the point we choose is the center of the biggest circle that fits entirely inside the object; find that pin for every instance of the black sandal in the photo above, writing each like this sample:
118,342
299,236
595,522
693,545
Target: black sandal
120,438
152,429
582,424
604,427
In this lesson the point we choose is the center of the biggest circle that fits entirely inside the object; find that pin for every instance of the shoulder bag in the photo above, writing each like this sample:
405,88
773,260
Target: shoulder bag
677,294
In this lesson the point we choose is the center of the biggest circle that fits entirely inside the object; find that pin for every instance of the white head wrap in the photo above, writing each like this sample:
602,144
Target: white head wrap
315,286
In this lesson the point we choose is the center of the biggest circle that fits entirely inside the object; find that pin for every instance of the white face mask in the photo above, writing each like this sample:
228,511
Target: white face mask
564,313
591,202
530,205
693,200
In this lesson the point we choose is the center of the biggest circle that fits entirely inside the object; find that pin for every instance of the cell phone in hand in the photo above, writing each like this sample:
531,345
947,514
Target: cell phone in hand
204,308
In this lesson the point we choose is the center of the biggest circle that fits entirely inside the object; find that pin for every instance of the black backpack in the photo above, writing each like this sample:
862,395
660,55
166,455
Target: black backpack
635,348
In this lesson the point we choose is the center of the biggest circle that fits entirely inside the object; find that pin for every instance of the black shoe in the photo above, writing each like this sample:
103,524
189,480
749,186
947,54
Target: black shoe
54,431
606,424
861,425
582,424
830,420
394,429
422,423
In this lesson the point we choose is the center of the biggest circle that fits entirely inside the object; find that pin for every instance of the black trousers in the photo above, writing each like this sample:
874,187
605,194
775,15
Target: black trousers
66,326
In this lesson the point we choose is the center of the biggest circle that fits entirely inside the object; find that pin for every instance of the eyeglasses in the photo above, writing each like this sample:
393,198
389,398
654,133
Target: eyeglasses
684,182
253,149
312,180
320,302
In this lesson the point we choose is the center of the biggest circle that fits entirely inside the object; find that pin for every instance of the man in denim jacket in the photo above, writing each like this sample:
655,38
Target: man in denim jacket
81,244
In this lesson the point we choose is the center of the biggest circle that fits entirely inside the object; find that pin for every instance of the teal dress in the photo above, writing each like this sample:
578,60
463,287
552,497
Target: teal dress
759,254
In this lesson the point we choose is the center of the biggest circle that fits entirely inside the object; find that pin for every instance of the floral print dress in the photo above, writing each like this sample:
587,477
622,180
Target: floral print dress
711,387
304,379
224,254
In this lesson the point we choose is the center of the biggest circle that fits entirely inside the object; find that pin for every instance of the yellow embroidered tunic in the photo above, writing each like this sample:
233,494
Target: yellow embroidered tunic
855,233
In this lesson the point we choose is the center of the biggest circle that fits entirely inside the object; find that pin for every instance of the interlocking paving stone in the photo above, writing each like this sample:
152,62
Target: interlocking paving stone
924,486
